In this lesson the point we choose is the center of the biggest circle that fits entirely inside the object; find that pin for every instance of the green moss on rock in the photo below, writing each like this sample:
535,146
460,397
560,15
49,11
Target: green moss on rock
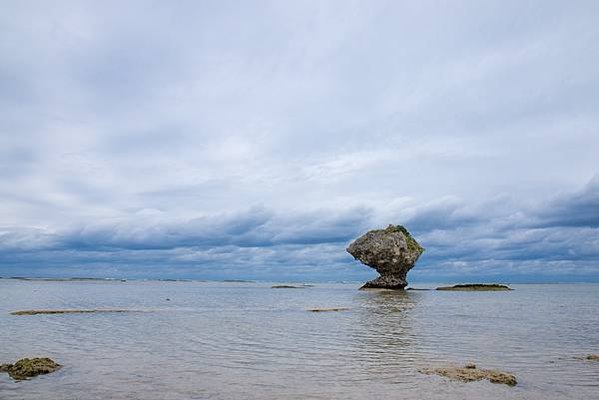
412,243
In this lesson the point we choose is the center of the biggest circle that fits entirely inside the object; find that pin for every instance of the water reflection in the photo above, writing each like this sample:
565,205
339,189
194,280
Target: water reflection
382,337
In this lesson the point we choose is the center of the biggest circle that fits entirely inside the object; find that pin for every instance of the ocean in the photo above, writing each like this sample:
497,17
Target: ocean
245,340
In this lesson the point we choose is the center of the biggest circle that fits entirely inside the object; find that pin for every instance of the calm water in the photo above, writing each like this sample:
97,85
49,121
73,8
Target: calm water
247,341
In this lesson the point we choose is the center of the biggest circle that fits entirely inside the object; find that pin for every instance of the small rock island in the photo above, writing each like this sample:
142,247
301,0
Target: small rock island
26,368
476,287
392,252
469,373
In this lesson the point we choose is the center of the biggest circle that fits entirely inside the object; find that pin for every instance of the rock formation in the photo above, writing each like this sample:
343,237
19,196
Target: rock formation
51,312
28,367
392,252
476,287
590,357
469,373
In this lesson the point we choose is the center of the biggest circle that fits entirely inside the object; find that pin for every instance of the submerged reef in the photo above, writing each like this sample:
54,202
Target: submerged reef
292,286
392,252
50,312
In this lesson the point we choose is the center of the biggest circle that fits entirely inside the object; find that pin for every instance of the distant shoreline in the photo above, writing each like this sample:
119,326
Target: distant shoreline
82,279
413,286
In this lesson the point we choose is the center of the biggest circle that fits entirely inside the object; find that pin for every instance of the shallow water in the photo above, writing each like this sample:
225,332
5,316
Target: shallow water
248,341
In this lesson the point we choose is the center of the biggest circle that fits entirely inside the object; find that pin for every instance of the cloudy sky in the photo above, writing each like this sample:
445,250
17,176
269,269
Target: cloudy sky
256,139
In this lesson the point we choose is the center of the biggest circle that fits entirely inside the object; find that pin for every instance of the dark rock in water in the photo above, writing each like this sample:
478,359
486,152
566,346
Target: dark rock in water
51,312
469,373
476,287
298,286
29,367
392,252
327,309
286,287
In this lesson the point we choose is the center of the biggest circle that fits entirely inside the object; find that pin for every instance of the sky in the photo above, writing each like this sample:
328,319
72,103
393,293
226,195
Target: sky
256,139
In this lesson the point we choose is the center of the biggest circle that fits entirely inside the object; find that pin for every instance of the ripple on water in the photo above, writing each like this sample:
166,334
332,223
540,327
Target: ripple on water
228,341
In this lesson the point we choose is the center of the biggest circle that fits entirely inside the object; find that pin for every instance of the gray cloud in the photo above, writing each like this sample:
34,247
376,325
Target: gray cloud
575,210
262,136
263,244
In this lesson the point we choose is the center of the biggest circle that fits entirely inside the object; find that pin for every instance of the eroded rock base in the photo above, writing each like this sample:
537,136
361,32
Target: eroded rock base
386,282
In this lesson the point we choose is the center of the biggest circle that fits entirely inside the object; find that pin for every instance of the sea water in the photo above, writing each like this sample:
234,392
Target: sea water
230,340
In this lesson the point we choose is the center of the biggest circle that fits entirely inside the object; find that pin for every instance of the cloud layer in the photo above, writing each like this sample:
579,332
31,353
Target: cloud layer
255,139
552,241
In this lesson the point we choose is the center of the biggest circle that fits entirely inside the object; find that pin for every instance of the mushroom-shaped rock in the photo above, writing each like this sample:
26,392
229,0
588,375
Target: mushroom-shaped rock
392,252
